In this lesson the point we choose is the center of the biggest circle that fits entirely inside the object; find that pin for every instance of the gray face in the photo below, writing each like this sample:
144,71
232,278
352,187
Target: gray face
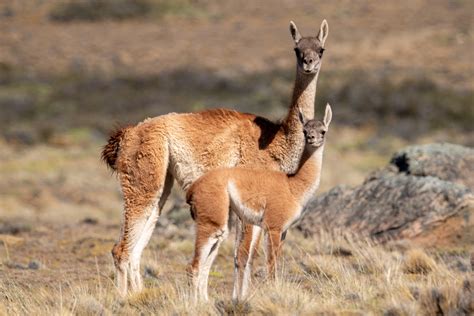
309,52
315,132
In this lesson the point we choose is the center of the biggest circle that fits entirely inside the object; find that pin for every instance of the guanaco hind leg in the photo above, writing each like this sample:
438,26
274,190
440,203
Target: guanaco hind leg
144,199
127,252
208,241
145,233
247,239
237,278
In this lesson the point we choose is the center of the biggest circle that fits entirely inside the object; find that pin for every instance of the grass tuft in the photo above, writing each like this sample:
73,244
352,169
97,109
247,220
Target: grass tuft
88,305
228,307
416,261
146,297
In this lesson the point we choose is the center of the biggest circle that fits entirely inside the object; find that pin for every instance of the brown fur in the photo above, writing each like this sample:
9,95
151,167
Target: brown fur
269,199
110,151
148,156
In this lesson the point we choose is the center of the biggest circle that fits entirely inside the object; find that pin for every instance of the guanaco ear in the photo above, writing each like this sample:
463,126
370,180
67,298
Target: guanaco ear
323,32
327,115
294,32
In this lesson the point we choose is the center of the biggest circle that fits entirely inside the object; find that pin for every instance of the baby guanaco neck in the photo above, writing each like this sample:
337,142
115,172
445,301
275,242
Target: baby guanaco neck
305,182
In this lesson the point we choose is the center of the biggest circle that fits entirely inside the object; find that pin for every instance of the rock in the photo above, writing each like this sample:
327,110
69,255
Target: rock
34,265
422,188
447,162
90,221
13,228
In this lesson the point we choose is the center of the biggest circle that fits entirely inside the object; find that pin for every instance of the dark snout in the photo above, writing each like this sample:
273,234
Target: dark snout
314,140
311,63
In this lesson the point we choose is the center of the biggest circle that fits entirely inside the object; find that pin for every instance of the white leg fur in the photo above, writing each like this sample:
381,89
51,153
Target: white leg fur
121,270
206,258
140,236
142,233
200,292
206,269
248,266
238,241
121,279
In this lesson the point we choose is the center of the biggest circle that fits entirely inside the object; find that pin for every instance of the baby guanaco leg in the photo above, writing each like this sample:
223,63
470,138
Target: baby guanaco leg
247,238
273,243
210,232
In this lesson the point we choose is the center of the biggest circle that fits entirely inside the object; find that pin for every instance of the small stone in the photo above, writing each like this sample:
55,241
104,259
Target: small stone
34,265
14,265
90,221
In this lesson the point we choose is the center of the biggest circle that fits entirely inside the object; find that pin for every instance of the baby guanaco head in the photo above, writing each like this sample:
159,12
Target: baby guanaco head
309,50
315,131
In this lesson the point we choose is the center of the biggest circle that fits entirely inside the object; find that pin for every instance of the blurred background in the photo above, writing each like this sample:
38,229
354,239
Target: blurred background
396,73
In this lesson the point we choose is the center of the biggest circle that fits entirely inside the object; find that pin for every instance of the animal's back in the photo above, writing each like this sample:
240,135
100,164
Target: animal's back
250,192
203,141
258,195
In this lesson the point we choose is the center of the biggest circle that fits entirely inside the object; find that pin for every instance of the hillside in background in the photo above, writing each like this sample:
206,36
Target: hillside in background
405,68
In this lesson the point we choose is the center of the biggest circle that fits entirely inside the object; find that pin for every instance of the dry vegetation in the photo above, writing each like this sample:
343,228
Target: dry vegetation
395,74
328,274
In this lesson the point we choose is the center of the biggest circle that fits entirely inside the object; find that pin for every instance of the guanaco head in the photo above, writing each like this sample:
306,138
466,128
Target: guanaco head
315,131
309,50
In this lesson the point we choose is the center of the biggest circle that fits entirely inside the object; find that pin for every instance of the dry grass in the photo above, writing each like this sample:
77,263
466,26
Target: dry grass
51,216
416,261
315,276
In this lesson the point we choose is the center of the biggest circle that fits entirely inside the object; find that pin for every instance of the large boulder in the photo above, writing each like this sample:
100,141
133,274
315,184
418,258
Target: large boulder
447,162
421,189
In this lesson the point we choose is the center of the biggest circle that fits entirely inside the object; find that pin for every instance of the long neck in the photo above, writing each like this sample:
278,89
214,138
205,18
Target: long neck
305,182
288,147
304,94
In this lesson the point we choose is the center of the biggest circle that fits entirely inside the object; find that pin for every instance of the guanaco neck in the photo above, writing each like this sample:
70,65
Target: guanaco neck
304,95
305,182
289,149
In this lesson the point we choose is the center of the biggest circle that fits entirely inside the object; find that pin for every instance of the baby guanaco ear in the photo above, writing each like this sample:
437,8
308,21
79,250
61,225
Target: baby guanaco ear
327,115
294,32
301,116
323,32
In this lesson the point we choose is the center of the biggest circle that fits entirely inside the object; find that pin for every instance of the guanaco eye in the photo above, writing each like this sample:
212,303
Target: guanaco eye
298,52
321,51
323,132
